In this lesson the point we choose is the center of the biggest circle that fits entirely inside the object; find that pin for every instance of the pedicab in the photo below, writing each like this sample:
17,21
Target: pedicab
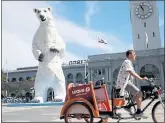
86,103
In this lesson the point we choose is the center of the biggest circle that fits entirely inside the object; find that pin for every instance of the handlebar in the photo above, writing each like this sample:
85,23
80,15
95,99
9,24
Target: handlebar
151,81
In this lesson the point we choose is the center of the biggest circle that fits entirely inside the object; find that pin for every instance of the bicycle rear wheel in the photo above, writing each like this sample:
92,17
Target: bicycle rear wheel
158,112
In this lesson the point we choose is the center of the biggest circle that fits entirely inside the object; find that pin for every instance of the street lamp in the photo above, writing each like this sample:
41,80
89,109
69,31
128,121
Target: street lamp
6,78
100,40
86,61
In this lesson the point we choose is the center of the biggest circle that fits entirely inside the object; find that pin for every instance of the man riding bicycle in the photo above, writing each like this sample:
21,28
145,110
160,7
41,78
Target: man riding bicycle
125,80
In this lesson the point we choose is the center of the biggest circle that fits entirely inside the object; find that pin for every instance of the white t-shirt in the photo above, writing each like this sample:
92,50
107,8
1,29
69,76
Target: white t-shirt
123,75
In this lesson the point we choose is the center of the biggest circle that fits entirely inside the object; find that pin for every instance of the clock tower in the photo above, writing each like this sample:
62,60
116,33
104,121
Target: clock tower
145,25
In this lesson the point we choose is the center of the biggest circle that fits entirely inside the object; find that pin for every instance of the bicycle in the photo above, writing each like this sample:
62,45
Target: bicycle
156,94
86,102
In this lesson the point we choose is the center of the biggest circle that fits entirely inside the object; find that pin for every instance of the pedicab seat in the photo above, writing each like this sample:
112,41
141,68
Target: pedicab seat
117,99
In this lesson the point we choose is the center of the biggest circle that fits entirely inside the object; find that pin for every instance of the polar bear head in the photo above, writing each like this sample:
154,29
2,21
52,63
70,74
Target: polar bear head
43,14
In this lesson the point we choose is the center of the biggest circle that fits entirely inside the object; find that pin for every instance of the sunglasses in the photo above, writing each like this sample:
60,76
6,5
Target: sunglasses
133,54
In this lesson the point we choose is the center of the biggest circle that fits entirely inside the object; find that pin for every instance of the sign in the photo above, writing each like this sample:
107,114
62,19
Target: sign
77,62
82,91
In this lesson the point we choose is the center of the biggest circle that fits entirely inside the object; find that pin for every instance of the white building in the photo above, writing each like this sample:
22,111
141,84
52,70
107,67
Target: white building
145,25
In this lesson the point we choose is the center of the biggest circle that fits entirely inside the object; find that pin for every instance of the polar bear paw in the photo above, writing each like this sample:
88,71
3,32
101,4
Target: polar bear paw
54,50
35,101
57,100
40,58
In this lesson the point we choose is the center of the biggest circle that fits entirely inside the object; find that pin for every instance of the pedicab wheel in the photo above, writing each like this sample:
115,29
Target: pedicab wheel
158,112
105,120
78,112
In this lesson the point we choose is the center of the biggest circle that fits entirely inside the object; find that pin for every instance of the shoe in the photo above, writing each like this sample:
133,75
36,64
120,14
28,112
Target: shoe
140,115
128,109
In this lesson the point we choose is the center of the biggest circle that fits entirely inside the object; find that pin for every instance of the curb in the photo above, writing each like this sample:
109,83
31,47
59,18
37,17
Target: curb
4,104
35,104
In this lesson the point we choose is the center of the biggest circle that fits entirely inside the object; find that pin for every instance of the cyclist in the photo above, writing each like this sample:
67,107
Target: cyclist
125,80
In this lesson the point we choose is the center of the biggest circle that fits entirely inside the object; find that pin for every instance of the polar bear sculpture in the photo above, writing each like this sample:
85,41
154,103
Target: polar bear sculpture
48,48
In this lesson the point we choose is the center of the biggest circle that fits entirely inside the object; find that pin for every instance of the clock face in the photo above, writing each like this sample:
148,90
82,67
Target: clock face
144,10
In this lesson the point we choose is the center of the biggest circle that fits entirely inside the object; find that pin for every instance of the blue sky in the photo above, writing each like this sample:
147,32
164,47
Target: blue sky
80,24
107,16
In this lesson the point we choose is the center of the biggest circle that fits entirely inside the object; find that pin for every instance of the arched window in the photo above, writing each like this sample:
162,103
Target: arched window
21,79
99,71
70,78
150,71
115,74
27,94
28,79
95,71
50,94
103,71
98,74
79,78
12,94
138,36
13,80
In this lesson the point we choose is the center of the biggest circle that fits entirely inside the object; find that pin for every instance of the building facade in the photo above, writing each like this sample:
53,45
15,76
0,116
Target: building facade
144,17
146,42
148,63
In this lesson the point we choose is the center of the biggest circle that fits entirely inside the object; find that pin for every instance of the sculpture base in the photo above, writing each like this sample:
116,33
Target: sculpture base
35,104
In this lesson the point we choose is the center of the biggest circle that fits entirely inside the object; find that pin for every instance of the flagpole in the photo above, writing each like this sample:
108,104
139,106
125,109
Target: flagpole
85,66
6,76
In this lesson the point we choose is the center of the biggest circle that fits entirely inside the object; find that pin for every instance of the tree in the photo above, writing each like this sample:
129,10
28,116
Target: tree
3,76
4,84
33,78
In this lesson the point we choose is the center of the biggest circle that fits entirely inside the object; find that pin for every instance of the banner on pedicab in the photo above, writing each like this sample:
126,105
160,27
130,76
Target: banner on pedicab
82,91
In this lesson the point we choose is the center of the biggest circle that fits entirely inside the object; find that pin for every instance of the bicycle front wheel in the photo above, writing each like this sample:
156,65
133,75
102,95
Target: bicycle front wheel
158,112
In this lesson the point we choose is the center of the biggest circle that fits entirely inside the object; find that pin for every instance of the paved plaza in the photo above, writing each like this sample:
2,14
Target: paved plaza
51,114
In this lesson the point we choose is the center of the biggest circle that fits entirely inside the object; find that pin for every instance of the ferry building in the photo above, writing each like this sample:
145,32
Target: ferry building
146,43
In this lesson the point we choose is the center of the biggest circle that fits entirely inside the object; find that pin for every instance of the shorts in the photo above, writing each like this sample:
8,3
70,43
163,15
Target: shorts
132,89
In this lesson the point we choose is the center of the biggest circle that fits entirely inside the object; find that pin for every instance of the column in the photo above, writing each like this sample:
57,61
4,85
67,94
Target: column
161,75
107,78
91,71
110,75
74,78
106,74
111,81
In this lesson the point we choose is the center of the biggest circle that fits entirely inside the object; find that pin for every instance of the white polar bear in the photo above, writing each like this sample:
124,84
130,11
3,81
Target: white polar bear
48,48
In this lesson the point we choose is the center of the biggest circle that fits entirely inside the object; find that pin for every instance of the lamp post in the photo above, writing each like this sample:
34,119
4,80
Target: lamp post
85,76
85,68
6,78
100,40
103,42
